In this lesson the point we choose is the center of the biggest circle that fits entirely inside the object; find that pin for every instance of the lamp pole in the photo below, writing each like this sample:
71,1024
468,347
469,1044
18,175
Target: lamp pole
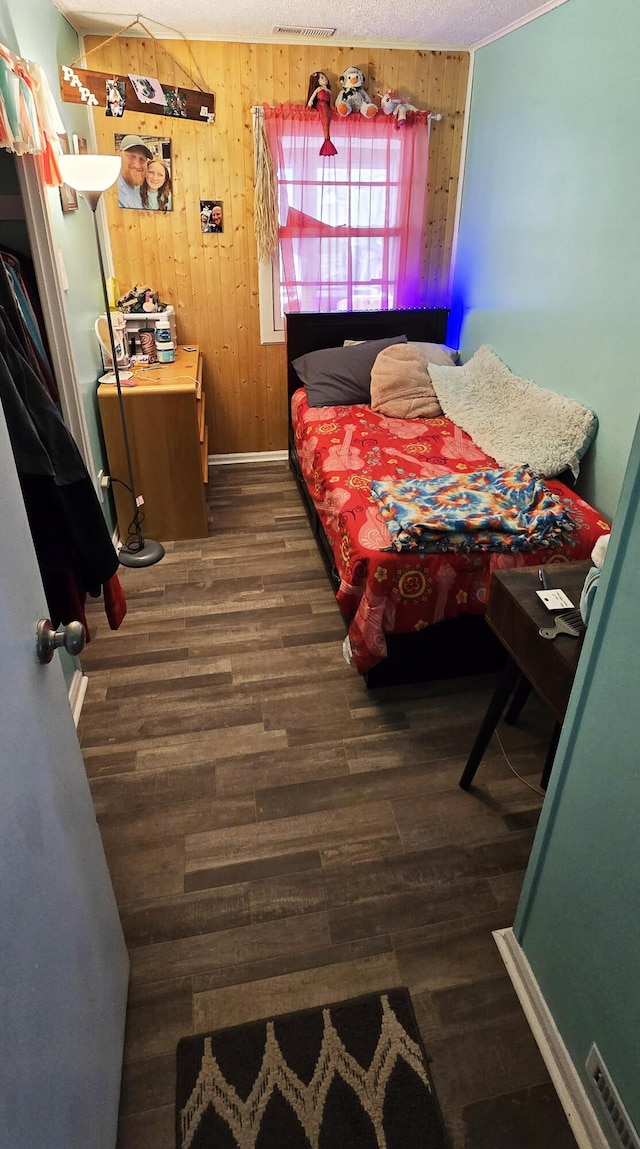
139,552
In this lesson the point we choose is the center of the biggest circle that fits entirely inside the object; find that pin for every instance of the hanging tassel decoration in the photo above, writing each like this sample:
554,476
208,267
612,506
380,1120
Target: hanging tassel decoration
266,197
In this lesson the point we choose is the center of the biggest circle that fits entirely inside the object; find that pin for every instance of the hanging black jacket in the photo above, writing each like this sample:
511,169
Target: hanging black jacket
71,539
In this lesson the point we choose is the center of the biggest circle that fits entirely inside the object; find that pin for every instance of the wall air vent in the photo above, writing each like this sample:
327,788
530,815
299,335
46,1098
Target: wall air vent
617,1117
319,33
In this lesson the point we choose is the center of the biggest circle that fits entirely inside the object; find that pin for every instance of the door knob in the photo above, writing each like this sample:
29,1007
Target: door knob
48,639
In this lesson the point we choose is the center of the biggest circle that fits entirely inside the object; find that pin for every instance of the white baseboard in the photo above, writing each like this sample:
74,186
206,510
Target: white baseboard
249,457
77,691
562,1071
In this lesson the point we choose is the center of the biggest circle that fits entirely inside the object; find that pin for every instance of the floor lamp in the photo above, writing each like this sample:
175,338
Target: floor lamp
91,175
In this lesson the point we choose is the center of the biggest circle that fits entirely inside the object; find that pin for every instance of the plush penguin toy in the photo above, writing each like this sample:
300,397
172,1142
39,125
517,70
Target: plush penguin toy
352,96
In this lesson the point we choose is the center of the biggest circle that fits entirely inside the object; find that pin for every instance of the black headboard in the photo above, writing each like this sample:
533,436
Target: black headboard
310,331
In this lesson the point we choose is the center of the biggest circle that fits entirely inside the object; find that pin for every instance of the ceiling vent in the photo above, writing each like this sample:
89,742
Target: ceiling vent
319,33
618,1118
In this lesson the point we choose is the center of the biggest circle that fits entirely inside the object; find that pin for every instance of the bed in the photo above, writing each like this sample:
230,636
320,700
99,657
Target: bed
408,615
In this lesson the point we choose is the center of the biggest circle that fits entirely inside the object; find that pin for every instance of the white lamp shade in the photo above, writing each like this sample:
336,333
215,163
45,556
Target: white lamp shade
90,173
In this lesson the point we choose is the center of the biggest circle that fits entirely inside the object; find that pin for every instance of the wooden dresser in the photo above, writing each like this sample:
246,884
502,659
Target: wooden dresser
167,430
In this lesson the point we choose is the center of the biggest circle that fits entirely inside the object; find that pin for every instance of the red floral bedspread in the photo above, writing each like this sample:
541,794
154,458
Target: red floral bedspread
341,451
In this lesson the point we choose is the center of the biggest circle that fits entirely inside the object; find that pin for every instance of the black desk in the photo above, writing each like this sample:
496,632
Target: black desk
515,614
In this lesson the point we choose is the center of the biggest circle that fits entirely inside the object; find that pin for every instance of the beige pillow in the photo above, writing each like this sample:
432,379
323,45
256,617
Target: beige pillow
400,384
438,353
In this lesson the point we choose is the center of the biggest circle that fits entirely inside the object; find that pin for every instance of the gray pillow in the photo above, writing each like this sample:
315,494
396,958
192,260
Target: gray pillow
340,376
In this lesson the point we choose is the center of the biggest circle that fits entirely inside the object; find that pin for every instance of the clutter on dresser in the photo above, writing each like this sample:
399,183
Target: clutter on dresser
143,309
141,300
165,347
147,344
141,331
144,328
121,339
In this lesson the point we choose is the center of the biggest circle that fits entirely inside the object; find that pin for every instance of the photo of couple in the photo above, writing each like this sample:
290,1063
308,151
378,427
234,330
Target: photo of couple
211,215
145,178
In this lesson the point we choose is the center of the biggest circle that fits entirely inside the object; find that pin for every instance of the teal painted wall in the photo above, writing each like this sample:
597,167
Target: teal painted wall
548,273
579,915
547,270
36,30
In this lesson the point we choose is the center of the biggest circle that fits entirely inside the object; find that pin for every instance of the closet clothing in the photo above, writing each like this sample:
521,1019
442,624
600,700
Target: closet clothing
115,603
75,554
19,301
42,444
73,546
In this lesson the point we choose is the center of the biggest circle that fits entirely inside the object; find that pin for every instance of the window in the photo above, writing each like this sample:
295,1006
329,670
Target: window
352,226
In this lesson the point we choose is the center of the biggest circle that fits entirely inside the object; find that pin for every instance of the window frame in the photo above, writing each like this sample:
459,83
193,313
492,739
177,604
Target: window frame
271,317
270,296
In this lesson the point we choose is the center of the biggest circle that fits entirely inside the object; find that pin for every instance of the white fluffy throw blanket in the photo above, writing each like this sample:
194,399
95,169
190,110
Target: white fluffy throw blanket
512,419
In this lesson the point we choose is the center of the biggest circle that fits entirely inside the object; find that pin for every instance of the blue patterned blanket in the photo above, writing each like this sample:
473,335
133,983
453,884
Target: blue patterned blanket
498,509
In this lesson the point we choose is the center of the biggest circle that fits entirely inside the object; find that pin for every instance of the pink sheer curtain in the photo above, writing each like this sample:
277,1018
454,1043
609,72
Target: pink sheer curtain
352,226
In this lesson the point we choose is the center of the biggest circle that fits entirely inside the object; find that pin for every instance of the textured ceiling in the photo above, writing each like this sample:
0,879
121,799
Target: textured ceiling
419,23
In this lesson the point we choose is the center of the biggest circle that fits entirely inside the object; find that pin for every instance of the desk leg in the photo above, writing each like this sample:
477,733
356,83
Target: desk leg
522,692
551,753
489,722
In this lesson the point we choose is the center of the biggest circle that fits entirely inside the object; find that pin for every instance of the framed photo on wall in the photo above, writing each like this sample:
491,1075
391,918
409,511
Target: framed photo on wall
145,181
68,196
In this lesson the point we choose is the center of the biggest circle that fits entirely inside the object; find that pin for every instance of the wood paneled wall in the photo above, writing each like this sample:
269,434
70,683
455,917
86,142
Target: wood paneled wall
212,280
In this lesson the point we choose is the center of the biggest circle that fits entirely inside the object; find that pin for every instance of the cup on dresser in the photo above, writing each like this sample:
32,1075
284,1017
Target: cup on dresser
148,345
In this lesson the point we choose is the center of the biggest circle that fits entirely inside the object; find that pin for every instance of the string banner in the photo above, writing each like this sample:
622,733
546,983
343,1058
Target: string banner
97,89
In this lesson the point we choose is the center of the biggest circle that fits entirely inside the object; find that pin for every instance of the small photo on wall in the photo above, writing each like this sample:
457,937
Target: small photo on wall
211,217
80,147
145,180
147,89
116,98
175,102
68,196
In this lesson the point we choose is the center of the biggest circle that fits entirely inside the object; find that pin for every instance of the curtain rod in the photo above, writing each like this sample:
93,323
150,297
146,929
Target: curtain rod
257,108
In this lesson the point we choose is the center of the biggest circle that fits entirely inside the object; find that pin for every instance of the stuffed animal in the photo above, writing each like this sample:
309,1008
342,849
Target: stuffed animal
393,105
319,97
352,96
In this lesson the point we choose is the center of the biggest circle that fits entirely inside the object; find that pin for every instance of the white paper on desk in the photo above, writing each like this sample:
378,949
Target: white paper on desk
554,599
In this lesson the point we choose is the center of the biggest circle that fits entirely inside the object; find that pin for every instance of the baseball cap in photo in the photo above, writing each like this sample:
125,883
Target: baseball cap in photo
135,142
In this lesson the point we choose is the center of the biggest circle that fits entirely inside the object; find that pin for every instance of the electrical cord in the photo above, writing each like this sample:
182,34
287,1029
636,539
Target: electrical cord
163,378
134,529
535,789
134,532
122,483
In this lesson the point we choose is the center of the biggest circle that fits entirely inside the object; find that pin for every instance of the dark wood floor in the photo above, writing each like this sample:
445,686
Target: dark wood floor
278,837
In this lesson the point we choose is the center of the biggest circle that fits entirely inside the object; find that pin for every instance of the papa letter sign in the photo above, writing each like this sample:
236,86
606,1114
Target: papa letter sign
78,86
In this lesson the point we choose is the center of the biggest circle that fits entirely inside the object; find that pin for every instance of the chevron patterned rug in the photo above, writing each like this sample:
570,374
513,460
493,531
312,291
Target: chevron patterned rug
347,1076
